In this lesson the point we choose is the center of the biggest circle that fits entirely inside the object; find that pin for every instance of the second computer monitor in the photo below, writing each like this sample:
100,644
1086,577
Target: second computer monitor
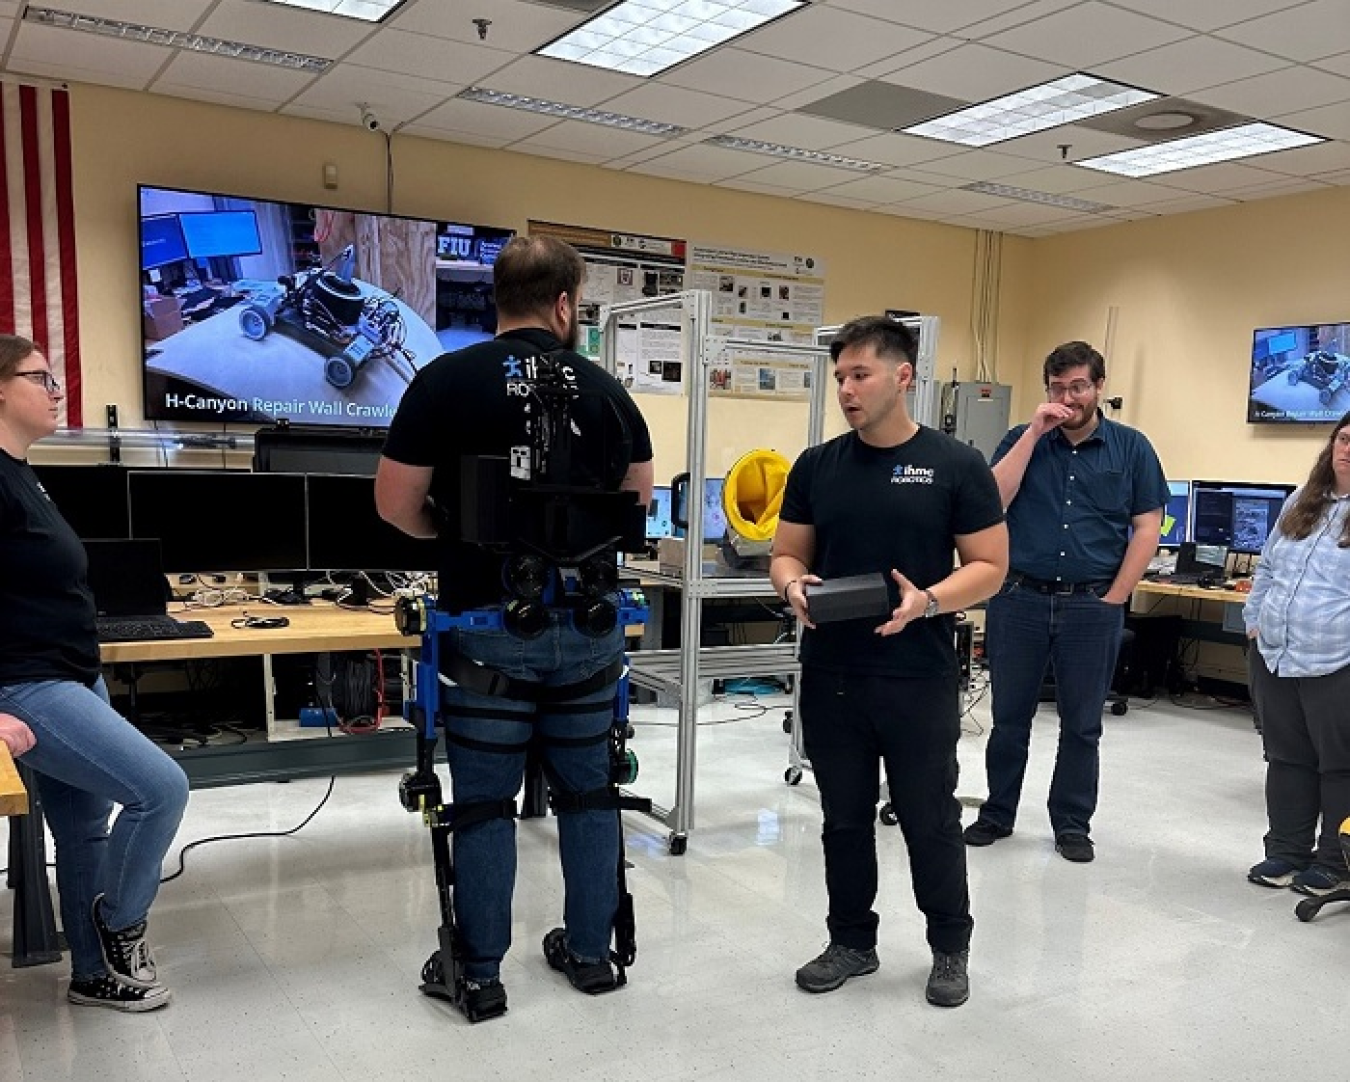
346,533
92,499
1176,521
1238,514
221,520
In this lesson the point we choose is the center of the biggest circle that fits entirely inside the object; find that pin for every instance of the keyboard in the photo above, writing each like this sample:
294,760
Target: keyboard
143,628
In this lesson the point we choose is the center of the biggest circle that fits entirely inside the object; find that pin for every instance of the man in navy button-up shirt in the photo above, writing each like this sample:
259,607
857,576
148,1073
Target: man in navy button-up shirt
1085,499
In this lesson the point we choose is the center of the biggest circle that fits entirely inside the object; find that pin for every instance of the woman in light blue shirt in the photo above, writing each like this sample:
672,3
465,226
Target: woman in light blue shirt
1298,616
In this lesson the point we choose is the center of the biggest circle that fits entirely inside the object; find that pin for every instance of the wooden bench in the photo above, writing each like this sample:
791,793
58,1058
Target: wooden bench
13,796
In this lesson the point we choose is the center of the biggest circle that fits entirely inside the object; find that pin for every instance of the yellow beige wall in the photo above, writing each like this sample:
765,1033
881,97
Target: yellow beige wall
1188,292
873,261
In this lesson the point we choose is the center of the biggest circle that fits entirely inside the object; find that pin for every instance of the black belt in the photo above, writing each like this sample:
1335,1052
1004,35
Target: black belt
1049,586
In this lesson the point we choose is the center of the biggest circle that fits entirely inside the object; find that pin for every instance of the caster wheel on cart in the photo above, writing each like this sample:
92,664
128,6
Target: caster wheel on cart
678,844
887,815
1120,709
792,775
1307,909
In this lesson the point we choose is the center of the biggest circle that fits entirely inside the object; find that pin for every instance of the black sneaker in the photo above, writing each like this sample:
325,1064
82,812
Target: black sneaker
1273,872
126,953
483,999
837,964
1074,847
592,978
949,983
982,832
107,991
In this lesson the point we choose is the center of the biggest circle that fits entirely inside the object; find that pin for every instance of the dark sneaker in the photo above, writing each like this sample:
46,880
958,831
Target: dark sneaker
949,983
483,999
1273,872
831,969
1320,879
1075,847
107,991
589,977
982,832
126,953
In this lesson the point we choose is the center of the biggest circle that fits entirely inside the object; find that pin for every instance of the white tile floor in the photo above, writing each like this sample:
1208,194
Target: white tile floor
298,958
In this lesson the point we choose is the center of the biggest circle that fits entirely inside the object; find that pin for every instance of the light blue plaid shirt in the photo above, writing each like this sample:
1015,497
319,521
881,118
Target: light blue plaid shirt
1300,599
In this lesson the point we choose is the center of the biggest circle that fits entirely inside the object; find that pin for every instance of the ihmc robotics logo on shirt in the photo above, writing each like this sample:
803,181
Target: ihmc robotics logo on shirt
912,475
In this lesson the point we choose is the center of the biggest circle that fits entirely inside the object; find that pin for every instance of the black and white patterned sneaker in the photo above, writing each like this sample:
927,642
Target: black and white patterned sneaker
108,991
126,953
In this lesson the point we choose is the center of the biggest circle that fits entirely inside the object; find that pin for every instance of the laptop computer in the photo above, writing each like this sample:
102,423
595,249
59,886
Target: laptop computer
1205,565
131,594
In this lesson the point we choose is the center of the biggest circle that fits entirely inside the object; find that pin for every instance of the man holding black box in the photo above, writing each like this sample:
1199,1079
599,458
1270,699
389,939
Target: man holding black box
888,502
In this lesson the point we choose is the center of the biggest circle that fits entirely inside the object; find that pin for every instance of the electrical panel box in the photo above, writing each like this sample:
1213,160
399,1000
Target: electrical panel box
979,414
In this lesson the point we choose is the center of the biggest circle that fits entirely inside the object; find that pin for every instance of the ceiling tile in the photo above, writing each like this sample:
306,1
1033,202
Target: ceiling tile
940,18
444,135
929,49
1085,35
1044,146
830,199
972,165
214,95
1188,65
1340,177
171,14
1124,194
1317,29
1024,214
1207,14
1337,65
201,71
492,122
559,80
97,59
419,54
798,130
515,26
1223,177
753,114
605,142
1289,186
799,176
1332,121
955,201
1184,204
675,105
562,153
974,73
1062,179
394,99
735,73
65,70
1308,161
885,189
1279,92
745,185
707,162
894,148
835,84
882,105
828,37
279,27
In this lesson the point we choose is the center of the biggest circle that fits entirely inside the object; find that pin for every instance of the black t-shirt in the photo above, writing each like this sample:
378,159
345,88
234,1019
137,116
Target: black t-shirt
476,401
877,508
46,609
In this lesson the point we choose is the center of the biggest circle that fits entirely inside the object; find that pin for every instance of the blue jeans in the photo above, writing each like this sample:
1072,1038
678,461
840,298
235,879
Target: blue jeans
88,758
1026,632
487,737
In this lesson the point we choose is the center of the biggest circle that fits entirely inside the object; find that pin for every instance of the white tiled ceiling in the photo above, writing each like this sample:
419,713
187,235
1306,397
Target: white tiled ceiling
1286,61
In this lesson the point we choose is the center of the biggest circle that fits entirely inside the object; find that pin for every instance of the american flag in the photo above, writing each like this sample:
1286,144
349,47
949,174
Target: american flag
38,295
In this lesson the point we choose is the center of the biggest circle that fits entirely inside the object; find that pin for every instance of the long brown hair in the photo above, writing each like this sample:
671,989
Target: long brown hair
1301,516
13,351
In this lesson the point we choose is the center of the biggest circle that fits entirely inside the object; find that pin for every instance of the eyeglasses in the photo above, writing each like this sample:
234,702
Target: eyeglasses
51,384
1079,388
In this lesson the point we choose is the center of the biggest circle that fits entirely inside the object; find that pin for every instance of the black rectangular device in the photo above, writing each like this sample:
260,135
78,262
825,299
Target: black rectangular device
854,597
1238,514
347,534
1199,563
92,499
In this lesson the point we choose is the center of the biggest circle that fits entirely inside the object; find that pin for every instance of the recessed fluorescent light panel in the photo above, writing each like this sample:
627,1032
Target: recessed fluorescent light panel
644,37
563,111
175,39
1226,145
796,154
1027,195
368,11
1049,105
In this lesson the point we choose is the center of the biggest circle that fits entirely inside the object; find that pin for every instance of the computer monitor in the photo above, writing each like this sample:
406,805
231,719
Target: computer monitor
300,450
1176,523
226,520
161,241
93,499
714,516
213,233
658,514
1238,514
347,534
1205,562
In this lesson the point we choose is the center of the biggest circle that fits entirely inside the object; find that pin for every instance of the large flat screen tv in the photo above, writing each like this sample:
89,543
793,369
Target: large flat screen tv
1300,375
257,311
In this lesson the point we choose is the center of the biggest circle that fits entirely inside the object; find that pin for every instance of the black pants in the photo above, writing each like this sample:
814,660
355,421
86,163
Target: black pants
1305,724
851,725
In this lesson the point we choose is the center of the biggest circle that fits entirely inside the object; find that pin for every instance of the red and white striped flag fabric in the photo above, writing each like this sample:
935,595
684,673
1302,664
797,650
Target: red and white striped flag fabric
38,294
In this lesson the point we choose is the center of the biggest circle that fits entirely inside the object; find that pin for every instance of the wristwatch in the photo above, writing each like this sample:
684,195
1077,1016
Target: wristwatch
932,609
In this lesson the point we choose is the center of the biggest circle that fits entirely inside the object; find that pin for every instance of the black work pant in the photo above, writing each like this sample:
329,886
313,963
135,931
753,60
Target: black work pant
851,726
1305,724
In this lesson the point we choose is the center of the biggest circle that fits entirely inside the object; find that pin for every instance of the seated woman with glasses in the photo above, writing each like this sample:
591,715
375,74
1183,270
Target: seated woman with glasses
56,720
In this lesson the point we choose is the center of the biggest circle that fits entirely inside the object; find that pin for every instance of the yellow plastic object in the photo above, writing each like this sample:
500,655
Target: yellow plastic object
753,494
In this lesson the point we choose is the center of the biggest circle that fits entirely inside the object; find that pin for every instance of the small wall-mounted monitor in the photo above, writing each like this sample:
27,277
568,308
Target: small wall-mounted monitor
1176,523
1237,514
1299,375
658,514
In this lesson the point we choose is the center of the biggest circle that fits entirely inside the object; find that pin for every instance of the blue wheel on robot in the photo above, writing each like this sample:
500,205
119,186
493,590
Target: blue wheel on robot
255,321
339,372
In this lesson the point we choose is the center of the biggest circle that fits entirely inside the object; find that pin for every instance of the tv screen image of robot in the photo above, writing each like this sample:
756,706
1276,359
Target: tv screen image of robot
1300,375
256,311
